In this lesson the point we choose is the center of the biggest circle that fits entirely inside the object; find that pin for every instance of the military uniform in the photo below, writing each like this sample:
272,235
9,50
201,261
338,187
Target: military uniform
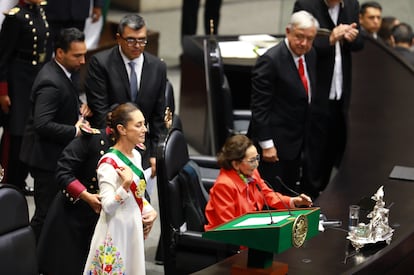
23,39
67,232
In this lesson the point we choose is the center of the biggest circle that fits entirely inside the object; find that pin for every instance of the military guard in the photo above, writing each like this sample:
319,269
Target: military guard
23,39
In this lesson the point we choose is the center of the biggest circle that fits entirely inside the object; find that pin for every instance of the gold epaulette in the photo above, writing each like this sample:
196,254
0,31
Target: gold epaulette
43,3
13,11
86,130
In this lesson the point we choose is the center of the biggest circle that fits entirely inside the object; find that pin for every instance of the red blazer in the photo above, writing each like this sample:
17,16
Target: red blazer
231,197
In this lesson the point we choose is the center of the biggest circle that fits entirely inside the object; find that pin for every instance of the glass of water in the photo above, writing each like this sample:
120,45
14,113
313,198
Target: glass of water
353,217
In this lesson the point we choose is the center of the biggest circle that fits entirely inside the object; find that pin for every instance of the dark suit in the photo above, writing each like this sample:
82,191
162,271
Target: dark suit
280,110
50,127
22,54
107,83
328,134
406,54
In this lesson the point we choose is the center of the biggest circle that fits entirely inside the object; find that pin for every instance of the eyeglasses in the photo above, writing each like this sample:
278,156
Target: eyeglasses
252,161
142,42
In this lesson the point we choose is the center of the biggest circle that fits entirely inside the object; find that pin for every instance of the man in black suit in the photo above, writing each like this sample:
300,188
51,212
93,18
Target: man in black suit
54,119
333,90
283,85
370,18
110,80
69,13
403,36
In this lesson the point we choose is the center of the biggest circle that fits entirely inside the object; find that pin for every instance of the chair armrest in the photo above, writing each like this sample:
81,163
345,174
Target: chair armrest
205,161
208,169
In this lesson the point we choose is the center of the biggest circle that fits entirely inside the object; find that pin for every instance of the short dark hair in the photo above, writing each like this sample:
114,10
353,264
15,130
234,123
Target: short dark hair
66,37
370,4
234,148
388,22
133,21
402,33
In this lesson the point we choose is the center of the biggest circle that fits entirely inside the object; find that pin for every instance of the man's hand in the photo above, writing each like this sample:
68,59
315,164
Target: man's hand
270,154
343,31
352,33
79,123
5,103
85,111
148,221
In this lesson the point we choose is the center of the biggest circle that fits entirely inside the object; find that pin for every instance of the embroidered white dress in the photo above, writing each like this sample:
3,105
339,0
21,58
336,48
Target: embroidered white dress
117,246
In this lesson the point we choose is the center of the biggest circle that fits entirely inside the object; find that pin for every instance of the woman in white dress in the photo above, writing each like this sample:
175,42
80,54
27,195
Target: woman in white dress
117,245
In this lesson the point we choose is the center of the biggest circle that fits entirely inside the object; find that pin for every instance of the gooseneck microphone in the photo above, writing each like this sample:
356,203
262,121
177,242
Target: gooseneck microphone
283,202
267,206
287,187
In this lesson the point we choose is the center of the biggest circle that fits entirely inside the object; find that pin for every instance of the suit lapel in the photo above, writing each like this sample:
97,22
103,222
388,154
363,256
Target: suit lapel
71,86
144,77
292,67
118,69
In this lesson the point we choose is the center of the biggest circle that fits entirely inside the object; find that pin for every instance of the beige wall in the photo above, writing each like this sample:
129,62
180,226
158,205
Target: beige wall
402,9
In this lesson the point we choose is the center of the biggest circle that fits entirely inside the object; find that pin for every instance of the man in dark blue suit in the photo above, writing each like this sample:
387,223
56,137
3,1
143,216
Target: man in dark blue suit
54,119
112,79
283,86
329,118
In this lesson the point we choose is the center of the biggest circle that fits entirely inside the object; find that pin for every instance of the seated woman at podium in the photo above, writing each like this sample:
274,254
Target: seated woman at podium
239,188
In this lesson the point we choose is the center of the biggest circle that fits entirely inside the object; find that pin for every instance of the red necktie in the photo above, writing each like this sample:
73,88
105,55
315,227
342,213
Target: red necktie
303,76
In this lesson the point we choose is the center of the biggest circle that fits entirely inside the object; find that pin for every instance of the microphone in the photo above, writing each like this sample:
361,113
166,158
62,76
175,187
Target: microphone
268,208
287,187
277,194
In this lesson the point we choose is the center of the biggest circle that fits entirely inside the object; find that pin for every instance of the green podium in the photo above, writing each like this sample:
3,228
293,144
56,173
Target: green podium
264,238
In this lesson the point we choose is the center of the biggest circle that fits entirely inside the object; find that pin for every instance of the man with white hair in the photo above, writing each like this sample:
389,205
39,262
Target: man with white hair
283,83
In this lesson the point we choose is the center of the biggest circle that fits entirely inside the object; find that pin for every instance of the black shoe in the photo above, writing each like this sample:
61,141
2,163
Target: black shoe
28,190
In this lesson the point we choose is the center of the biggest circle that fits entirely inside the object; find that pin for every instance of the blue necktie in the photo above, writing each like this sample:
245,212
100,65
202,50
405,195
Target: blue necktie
133,81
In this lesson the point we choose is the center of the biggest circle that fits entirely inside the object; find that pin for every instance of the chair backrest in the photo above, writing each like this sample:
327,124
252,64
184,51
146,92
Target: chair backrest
182,200
17,240
219,97
186,197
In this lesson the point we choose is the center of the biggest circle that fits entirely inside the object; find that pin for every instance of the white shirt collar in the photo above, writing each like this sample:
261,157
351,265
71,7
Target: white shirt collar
295,57
138,60
67,73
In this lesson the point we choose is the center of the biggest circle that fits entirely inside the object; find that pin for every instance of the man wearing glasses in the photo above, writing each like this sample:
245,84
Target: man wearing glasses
125,73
